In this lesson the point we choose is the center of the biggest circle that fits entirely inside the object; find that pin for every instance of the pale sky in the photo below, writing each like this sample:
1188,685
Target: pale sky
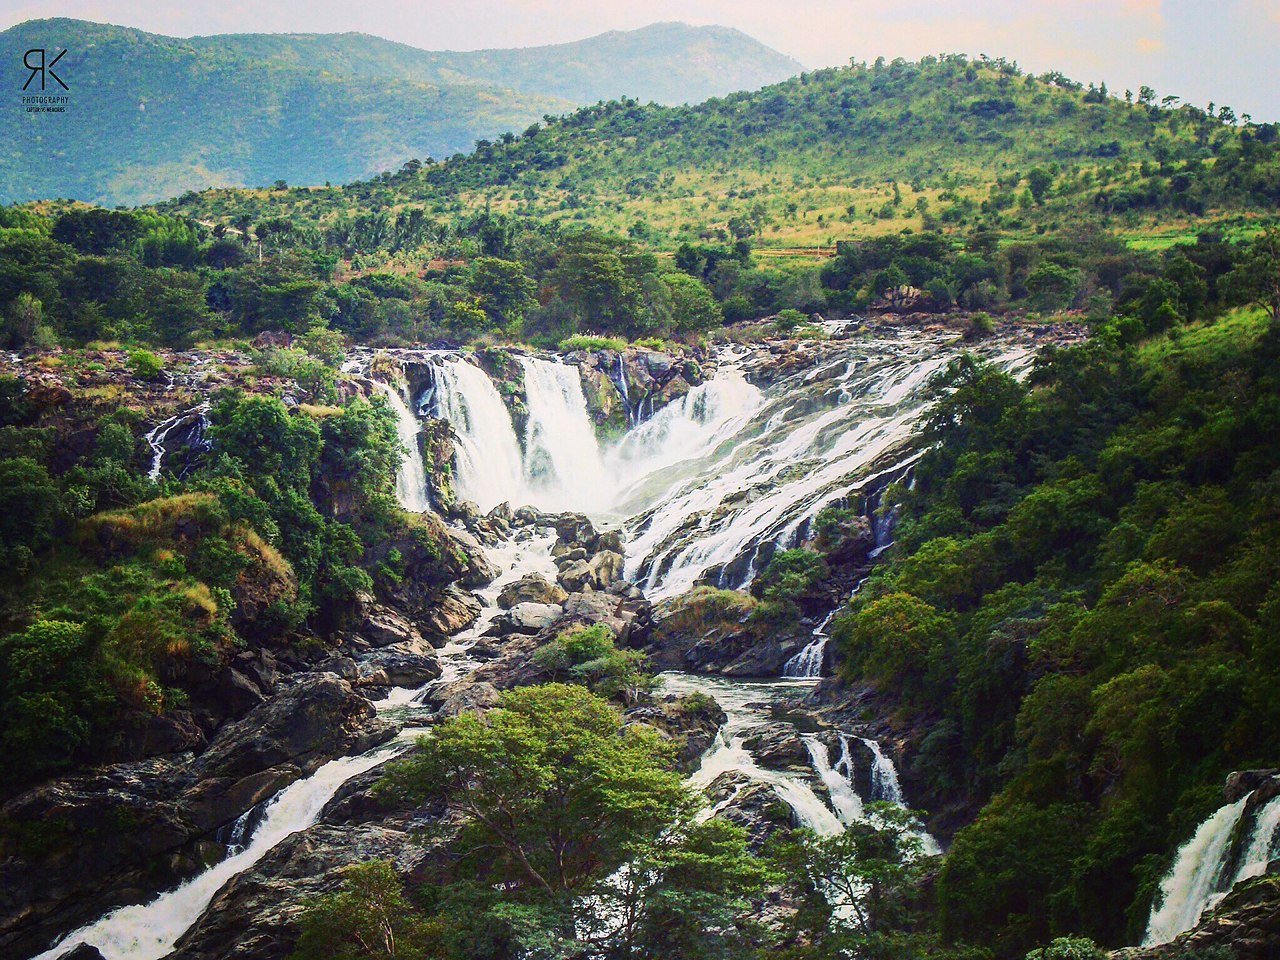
1202,50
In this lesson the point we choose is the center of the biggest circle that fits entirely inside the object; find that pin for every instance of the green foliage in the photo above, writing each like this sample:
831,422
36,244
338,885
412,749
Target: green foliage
588,656
1077,609
790,575
369,917
554,783
145,365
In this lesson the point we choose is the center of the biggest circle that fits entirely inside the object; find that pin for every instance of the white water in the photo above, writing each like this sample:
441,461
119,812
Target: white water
158,434
1197,882
807,664
411,475
149,931
487,467
563,469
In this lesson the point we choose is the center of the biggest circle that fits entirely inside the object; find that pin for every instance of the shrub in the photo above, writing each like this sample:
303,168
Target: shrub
145,365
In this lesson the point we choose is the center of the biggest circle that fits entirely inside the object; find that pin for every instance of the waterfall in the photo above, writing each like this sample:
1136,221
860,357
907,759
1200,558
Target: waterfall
884,775
488,467
411,475
755,484
563,469
158,434
837,777
807,664
1201,874
149,931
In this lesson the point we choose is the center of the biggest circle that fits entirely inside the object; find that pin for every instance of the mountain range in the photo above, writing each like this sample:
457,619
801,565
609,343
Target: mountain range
152,116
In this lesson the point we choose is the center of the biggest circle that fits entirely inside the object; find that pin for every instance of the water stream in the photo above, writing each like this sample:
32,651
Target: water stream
705,489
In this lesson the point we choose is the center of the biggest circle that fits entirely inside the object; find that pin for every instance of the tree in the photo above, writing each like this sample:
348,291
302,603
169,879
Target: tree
369,917
855,887
555,785
1039,180
505,291
693,308
1256,277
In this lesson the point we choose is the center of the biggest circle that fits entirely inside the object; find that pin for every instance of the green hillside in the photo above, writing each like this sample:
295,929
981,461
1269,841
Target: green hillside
940,144
153,116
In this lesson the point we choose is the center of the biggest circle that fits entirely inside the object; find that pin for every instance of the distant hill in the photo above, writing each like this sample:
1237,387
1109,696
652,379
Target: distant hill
152,116
945,143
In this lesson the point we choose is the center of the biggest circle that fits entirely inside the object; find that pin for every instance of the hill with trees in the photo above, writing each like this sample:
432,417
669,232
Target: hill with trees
152,116
943,144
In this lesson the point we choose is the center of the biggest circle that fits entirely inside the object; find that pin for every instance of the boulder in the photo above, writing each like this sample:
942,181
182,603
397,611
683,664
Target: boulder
383,626
576,575
468,699
448,614
574,528
526,618
777,746
531,588
691,722
403,664
606,568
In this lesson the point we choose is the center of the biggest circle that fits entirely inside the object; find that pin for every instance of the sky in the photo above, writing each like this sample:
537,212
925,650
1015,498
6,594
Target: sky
1201,50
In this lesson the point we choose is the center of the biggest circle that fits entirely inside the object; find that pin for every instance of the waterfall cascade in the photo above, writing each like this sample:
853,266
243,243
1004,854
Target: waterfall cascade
1215,859
706,487
149,931
411,477
193,419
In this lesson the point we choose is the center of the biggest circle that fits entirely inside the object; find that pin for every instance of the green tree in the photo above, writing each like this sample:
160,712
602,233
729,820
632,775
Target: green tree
370,917
556,787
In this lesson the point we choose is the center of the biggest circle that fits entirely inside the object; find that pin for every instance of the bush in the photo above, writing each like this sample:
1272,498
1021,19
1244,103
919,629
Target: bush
145,365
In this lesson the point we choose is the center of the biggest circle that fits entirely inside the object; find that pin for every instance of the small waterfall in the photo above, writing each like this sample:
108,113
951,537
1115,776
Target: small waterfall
159,434
563,468
807,664
488,464
884,775
411,475
149,931
1201,874
838,778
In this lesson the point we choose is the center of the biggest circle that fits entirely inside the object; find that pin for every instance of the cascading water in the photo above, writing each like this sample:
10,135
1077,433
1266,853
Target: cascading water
1202,872
807,664
884,775
563,469
411,475
160,433
149,931
488,467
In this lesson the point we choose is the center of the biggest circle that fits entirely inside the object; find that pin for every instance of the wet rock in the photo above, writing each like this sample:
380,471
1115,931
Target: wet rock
256,915
526,618
383,626
691,721
451,612
344,667
1244,926
403,665
611,540
167,733
754,806
531,588
1241,783
574,528
84,951
777,746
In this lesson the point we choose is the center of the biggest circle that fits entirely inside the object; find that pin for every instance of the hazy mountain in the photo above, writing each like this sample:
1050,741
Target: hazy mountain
152,116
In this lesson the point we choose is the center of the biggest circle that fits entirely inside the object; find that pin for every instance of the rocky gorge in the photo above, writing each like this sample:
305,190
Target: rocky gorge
638,493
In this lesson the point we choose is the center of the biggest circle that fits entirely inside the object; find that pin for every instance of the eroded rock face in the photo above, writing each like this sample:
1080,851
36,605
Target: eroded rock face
79,845
1245,926
704,633
692,723
256,915
452,612
533,588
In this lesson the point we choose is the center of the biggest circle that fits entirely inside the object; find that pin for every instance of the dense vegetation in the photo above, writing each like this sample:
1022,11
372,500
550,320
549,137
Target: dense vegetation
122,597
1081,609
151,116
945,143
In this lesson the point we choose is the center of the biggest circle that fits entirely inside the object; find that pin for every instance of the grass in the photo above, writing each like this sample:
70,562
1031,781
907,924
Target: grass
1208,342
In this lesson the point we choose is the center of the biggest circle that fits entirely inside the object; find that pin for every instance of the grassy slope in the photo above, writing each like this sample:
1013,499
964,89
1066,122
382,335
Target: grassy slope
817,158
